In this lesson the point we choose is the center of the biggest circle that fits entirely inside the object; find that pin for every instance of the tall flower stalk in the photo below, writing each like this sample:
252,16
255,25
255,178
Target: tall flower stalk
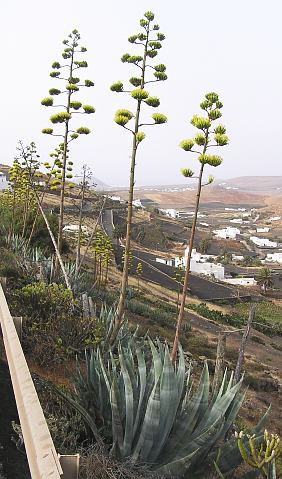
209,136
71,107
149,40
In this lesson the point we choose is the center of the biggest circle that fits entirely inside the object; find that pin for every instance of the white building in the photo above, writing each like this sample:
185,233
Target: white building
199,264
274,257
137,203
241,281
209,269
75,229
235,209
263,242
3,181
236,257
263,230
168,262
237,220
275,218
227,233
172,213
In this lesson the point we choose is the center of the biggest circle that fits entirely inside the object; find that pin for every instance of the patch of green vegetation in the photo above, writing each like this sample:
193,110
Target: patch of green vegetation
267,313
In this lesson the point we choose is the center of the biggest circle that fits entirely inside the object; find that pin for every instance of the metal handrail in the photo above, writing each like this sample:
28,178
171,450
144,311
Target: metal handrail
41,453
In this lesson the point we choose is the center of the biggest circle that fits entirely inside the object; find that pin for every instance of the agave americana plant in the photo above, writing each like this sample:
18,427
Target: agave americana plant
149,410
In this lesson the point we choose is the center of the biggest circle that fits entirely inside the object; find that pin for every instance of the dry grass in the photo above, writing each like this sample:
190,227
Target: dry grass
96,463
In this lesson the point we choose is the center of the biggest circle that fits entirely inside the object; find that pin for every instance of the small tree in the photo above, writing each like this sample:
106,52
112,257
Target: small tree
149,40
63,166
19,198
139,272
264,279
86,176
207,137
30,162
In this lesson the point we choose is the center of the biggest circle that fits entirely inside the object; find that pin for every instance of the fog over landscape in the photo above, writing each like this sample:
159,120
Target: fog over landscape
233,49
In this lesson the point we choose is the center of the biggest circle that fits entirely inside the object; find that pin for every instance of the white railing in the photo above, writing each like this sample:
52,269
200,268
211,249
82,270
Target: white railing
42,457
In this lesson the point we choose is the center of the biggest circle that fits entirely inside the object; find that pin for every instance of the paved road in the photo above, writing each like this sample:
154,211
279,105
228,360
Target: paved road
164,275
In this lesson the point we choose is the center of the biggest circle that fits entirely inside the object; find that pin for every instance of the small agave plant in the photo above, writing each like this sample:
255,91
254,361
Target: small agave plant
148,410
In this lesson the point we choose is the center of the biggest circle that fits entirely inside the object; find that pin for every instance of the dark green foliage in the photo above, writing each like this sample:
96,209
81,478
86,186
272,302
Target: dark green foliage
39,302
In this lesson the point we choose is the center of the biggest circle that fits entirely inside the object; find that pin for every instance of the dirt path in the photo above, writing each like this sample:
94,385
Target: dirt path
264,353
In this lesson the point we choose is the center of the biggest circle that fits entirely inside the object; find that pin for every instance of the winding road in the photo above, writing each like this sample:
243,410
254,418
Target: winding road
163,274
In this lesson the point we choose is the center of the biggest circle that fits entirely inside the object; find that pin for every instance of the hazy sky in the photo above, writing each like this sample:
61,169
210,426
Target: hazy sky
231,47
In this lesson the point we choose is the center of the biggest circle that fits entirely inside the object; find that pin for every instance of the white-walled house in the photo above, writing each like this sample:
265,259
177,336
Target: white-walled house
227,233
239,221
263,242
209,269
3,181
263,230
199,264
236,257
274,257
172,213
275,218
168,262
241,281
74,229
137,203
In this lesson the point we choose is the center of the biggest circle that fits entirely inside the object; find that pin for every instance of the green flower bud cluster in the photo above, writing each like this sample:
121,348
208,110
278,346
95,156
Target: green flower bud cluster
75,105
160,36
55,74
153,101
140,136
212,160
221,140
73,80
71,87
83,130
88,83
200,122
160,76
54,91
132,38
200,139
187,173
135,81
118,86
47,101
152,53
139,94
60,117
81,64
88,109
210,179
47,131
149,15
159,118
220,129
155,45
186,145
123,116
214,114
160,68
56,65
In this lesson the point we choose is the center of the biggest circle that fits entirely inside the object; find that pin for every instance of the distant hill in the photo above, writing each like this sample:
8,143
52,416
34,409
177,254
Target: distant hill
257,184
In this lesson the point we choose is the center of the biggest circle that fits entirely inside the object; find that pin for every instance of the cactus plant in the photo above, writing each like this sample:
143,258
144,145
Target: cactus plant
143,405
